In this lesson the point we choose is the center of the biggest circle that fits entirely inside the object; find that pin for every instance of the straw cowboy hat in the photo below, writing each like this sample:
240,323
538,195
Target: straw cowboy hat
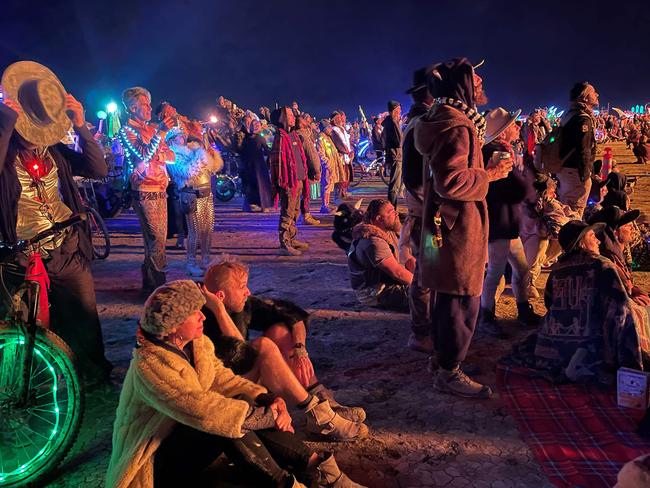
497,121
41,95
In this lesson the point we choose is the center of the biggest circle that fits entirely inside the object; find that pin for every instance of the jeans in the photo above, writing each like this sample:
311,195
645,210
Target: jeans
419,297
395,183
289,211
264,454
501,252
572,191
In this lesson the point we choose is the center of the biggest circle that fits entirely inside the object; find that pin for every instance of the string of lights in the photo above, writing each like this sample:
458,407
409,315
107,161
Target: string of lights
131,150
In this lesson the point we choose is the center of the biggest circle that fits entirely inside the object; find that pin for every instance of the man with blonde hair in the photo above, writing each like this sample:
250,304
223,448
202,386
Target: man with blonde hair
146,153
279,360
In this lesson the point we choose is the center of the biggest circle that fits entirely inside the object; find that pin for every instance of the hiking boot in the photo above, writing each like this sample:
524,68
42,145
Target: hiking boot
296,483
458,383
526,315
331,476
193,269
487,323
468,368
290,251
422,344
302,246
322,420
308,219
353,414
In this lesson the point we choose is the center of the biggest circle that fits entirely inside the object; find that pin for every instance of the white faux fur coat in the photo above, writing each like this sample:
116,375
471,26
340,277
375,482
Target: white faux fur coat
160,389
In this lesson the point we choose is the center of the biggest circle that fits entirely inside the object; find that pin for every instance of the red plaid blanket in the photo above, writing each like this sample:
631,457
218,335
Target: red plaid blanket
578,433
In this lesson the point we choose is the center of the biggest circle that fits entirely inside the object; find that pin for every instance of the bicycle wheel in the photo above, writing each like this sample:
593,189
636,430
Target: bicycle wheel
37,435
225,188
99,233
358,173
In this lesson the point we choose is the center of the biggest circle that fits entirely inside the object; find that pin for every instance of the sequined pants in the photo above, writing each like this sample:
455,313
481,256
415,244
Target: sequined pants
200,225
151,209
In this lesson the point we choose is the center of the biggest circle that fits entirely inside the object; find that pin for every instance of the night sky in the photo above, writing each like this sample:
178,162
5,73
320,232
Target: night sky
329,54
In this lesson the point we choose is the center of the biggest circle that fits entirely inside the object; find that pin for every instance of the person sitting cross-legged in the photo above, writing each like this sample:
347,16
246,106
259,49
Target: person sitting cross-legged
376,275
590,329
279,360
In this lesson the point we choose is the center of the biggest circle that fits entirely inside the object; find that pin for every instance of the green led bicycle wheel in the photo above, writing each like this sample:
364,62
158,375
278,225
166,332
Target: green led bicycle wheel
37,433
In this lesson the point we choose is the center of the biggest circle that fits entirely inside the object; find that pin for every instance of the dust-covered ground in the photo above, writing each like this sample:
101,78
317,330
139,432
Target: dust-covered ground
417,438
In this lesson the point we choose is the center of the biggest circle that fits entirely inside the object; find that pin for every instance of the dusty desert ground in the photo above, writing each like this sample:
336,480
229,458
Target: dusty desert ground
418,438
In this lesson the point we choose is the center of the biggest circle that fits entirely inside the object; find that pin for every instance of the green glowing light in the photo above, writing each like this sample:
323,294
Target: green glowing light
35,462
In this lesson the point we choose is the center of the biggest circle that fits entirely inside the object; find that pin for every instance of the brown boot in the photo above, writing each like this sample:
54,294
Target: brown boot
330,476
297,484
353,414
322,420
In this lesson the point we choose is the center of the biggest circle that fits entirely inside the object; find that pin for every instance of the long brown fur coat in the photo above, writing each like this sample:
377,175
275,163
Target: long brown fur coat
455,183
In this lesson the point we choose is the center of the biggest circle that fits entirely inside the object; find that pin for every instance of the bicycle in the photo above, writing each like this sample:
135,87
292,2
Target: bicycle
41,396
376,167
101,239
227,182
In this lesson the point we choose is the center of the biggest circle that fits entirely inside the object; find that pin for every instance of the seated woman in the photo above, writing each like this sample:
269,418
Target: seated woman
589,329
180,409
617,235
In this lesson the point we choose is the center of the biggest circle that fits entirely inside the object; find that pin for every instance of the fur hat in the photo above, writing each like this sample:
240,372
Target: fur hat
169,305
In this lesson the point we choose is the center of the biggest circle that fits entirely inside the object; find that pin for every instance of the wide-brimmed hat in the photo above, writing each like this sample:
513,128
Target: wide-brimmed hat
498,120
41,95
573,231
419,80
614,217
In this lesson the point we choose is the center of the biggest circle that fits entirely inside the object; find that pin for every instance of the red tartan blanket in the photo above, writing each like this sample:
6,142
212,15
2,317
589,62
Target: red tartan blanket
578,433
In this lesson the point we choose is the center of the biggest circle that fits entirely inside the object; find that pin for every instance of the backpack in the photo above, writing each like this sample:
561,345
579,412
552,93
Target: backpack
547,158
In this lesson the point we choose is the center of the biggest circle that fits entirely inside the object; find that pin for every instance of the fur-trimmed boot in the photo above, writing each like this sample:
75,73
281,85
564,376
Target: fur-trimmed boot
353,414
330,476
321,419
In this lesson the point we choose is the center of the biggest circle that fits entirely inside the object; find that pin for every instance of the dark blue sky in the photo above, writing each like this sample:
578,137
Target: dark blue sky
329,54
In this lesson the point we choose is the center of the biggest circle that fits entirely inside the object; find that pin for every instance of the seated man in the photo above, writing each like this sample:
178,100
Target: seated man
589,330
231,311
617,235
376,274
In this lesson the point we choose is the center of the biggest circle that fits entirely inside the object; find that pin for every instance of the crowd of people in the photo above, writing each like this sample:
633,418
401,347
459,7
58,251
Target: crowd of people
479,197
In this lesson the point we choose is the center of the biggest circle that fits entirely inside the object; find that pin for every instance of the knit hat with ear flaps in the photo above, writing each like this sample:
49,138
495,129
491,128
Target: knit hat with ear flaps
169,305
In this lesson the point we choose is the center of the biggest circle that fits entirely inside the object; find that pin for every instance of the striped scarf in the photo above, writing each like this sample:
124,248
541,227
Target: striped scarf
472,114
